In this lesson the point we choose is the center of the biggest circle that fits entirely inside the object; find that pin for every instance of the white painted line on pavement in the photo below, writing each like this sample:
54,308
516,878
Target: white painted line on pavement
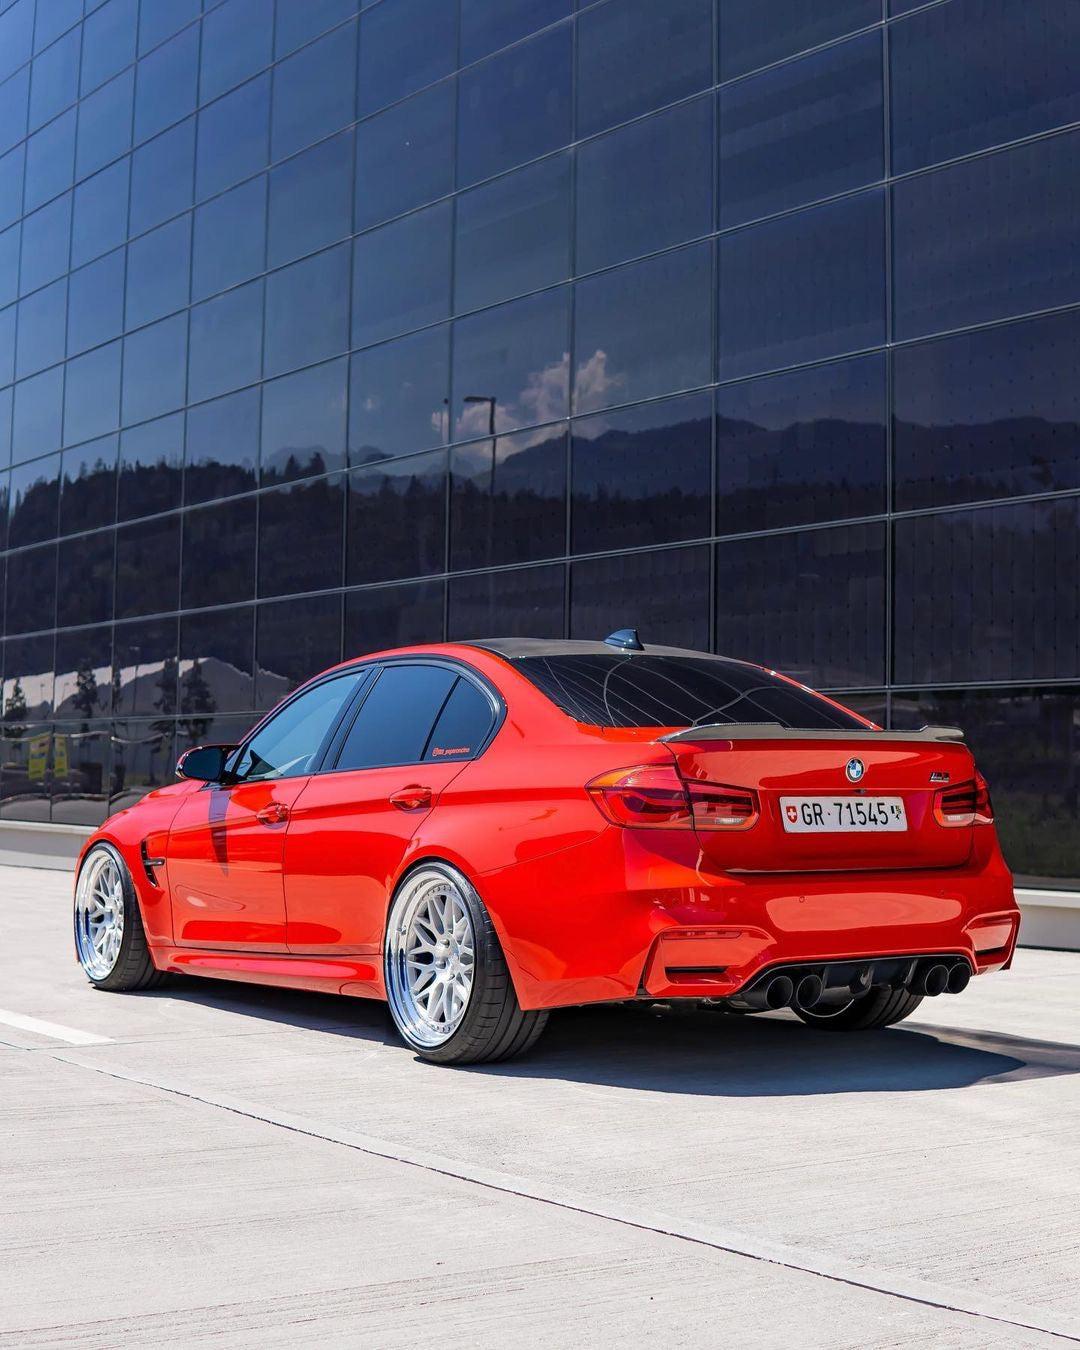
51,1029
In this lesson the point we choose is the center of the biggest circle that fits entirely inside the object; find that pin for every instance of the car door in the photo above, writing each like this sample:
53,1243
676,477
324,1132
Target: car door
226,843
417,726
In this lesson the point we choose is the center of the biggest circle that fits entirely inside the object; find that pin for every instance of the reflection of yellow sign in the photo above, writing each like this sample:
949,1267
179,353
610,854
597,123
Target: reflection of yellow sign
38,757
60,756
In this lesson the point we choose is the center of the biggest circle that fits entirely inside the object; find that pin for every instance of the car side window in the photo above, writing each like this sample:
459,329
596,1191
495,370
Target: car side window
395,720
287,746
463,725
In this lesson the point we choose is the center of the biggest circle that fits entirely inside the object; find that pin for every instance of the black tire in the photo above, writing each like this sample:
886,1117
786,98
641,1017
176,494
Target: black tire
134,969
494,1026
870,1012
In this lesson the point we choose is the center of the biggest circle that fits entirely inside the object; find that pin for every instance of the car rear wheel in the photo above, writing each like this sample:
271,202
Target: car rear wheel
447,982
110,942
868,1012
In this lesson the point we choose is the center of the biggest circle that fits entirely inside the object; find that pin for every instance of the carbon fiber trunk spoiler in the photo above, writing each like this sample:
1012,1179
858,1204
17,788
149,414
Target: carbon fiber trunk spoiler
773,731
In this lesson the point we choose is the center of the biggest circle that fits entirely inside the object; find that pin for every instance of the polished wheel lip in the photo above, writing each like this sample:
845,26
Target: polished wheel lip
430,958
99,914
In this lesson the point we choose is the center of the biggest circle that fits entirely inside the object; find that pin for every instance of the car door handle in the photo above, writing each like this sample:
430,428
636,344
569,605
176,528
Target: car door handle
274,814
411,798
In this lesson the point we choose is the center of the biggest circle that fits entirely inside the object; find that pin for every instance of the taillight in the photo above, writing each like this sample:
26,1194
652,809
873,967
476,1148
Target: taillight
655,797
965,804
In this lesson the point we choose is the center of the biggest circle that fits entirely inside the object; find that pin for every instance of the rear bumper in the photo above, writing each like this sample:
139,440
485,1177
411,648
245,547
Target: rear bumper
674,927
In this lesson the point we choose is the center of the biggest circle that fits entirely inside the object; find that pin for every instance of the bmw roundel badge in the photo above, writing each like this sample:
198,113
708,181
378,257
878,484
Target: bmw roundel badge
854,769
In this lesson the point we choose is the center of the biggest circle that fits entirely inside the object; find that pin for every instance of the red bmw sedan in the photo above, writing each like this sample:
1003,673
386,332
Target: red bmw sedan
480,832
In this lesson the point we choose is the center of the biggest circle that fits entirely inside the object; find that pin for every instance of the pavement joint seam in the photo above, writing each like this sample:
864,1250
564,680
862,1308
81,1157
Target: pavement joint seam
732,1242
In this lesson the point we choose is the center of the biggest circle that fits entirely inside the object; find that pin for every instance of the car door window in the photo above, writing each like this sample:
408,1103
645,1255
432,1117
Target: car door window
396,718
463,725
290,742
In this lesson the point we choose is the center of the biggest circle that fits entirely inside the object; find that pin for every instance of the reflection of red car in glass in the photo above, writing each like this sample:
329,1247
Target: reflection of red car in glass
481,832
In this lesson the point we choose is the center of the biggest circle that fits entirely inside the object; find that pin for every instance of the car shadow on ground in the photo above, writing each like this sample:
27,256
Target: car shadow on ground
699,1052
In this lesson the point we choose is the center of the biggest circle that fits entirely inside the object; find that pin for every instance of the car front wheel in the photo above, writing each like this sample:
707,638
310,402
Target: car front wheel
110,942
447,982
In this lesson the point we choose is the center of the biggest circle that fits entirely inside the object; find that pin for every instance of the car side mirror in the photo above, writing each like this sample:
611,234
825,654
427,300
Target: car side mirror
205,763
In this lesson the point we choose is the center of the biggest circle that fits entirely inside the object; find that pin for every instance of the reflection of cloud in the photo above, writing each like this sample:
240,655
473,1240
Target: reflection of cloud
594,385
543,399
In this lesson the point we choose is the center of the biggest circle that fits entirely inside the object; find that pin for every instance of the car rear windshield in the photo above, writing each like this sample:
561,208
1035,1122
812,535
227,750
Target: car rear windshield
677,691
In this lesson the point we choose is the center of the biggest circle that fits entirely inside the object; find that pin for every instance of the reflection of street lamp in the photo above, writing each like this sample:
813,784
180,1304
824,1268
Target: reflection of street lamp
490,400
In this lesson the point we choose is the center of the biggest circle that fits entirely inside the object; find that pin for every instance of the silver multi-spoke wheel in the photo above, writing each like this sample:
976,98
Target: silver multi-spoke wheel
99,915
430,958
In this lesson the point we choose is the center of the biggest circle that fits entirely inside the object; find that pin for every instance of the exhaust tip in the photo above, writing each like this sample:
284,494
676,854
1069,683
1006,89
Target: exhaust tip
959,977
935,980
808,991
779,992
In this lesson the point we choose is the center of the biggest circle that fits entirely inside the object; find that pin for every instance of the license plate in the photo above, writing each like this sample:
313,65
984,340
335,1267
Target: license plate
842,815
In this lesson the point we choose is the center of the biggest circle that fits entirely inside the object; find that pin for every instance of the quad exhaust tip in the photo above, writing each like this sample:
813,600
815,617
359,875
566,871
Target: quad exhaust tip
930,977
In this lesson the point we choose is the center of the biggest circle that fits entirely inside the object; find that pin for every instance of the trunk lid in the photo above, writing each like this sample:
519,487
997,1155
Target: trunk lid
775,763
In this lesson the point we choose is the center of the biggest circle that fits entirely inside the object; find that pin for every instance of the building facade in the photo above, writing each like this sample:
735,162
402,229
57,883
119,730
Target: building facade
329,325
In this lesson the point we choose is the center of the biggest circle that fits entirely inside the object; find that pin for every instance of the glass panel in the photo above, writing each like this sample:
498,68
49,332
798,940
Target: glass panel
948,275
519,602
96,303
198,728
7,348
294,639
16,32
515,107
298,21
401,275
230,238
645,186
5,448
487,25
154,364
83,685
513,235
635,55
303,423
393,616
165,84
216,663
314,92
508,499
811,604
1004,582
31,592
54,80
397,519
289,744
803,287
219,553
108,42
81,769
311,200
307,311
1025,741
159,265
144,661
753,36
234,137
36,423
50,160
53,18
14,95
644,330
995,413
148,567
665,595
25,759
226,341
151,465
403,47
405,156
162,177
802,448
222,447
511,365
806,130
396,718
46,239
949,100
312,511
9,264
100,214
399,395
35,501
12,167
42,321
642,476
88,485
92,394
236,43
144,756
160,19
84,583
105,125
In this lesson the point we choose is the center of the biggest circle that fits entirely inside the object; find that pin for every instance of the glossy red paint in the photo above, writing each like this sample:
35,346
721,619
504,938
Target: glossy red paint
586,910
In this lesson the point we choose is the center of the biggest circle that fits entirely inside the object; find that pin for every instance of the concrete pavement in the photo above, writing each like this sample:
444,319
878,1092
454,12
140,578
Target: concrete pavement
258,1167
